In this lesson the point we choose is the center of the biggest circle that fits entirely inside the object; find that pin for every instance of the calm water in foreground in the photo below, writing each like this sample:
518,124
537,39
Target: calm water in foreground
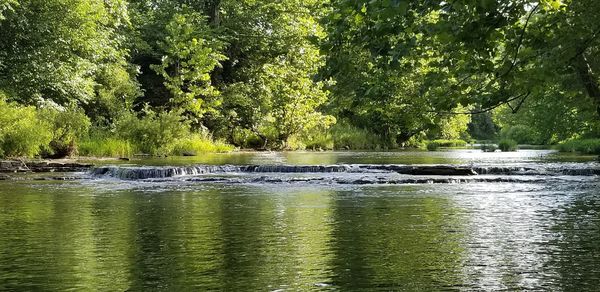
116,235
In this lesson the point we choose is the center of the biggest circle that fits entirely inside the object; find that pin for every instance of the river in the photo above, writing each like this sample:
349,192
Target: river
530,222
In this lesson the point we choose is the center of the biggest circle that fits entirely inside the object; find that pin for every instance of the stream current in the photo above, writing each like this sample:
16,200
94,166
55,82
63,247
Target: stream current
346,221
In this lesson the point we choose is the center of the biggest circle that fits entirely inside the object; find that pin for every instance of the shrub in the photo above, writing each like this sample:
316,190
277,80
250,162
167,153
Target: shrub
323,141
318,138
586,146
294,143
22,132
521,134
507,145
196,144
105,147
433,146
488,147
154,133
449,143
246,138
68,126
346,136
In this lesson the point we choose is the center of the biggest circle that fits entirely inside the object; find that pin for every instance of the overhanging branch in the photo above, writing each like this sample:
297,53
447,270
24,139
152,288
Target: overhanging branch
522,96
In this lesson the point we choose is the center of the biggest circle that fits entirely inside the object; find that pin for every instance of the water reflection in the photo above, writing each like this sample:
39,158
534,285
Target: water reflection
390,239
71,236
576,244
451,156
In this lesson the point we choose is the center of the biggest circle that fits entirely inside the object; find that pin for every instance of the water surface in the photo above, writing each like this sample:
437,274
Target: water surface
111,234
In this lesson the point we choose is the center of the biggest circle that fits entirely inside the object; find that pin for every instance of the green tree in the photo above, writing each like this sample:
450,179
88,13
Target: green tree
22,132
54,50
482,53
5,6
268,79
68,126
191,54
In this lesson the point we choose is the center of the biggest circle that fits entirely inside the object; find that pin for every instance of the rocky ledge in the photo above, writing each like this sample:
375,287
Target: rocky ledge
42,166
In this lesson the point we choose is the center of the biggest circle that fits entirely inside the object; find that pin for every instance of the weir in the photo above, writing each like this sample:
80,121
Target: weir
148,172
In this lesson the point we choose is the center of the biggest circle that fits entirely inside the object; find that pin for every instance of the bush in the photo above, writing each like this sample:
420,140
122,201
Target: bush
488,147
521,134
449,143
22,132
68,126
433,146
346,136
154,133
199,143
102,146
246,138
318,138
507,145
586,146
323,141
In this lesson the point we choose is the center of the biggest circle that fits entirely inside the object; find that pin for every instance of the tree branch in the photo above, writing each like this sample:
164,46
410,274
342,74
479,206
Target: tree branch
520,41
523,96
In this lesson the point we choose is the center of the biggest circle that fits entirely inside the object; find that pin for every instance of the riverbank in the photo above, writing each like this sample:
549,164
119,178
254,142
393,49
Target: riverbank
58,165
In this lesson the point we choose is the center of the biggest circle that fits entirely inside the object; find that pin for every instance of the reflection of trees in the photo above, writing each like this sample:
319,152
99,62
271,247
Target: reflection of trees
24,225
575,250
59,240
231,238
395,243
275,240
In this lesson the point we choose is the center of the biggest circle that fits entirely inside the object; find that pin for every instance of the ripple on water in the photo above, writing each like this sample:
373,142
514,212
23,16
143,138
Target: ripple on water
301,232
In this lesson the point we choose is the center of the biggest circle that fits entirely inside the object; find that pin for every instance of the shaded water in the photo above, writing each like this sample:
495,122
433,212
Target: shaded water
180,234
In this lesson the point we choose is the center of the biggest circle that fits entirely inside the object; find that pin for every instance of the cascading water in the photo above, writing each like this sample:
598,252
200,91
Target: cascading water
350,173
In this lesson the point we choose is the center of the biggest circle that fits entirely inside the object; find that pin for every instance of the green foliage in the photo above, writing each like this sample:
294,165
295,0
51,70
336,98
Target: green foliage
449,143
68,126
460,53
346,136
245,138
487,147
433,146
22,132
191,54
482,127
451,127
116,92
522,134
105,146
54,49
266,74
507,145
153,133
586,146
320,140
196,144
7,6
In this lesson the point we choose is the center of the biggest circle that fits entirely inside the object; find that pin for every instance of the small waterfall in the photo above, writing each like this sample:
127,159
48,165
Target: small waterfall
134,173
147,172
298,168
506,170
517,170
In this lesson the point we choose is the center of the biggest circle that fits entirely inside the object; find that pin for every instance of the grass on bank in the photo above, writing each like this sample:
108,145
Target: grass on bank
106,147
584,146
433,145
197,144
507,145
341,136
193,145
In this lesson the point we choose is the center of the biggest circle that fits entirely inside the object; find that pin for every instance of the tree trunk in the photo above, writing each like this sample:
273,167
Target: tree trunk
589,80
213,10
